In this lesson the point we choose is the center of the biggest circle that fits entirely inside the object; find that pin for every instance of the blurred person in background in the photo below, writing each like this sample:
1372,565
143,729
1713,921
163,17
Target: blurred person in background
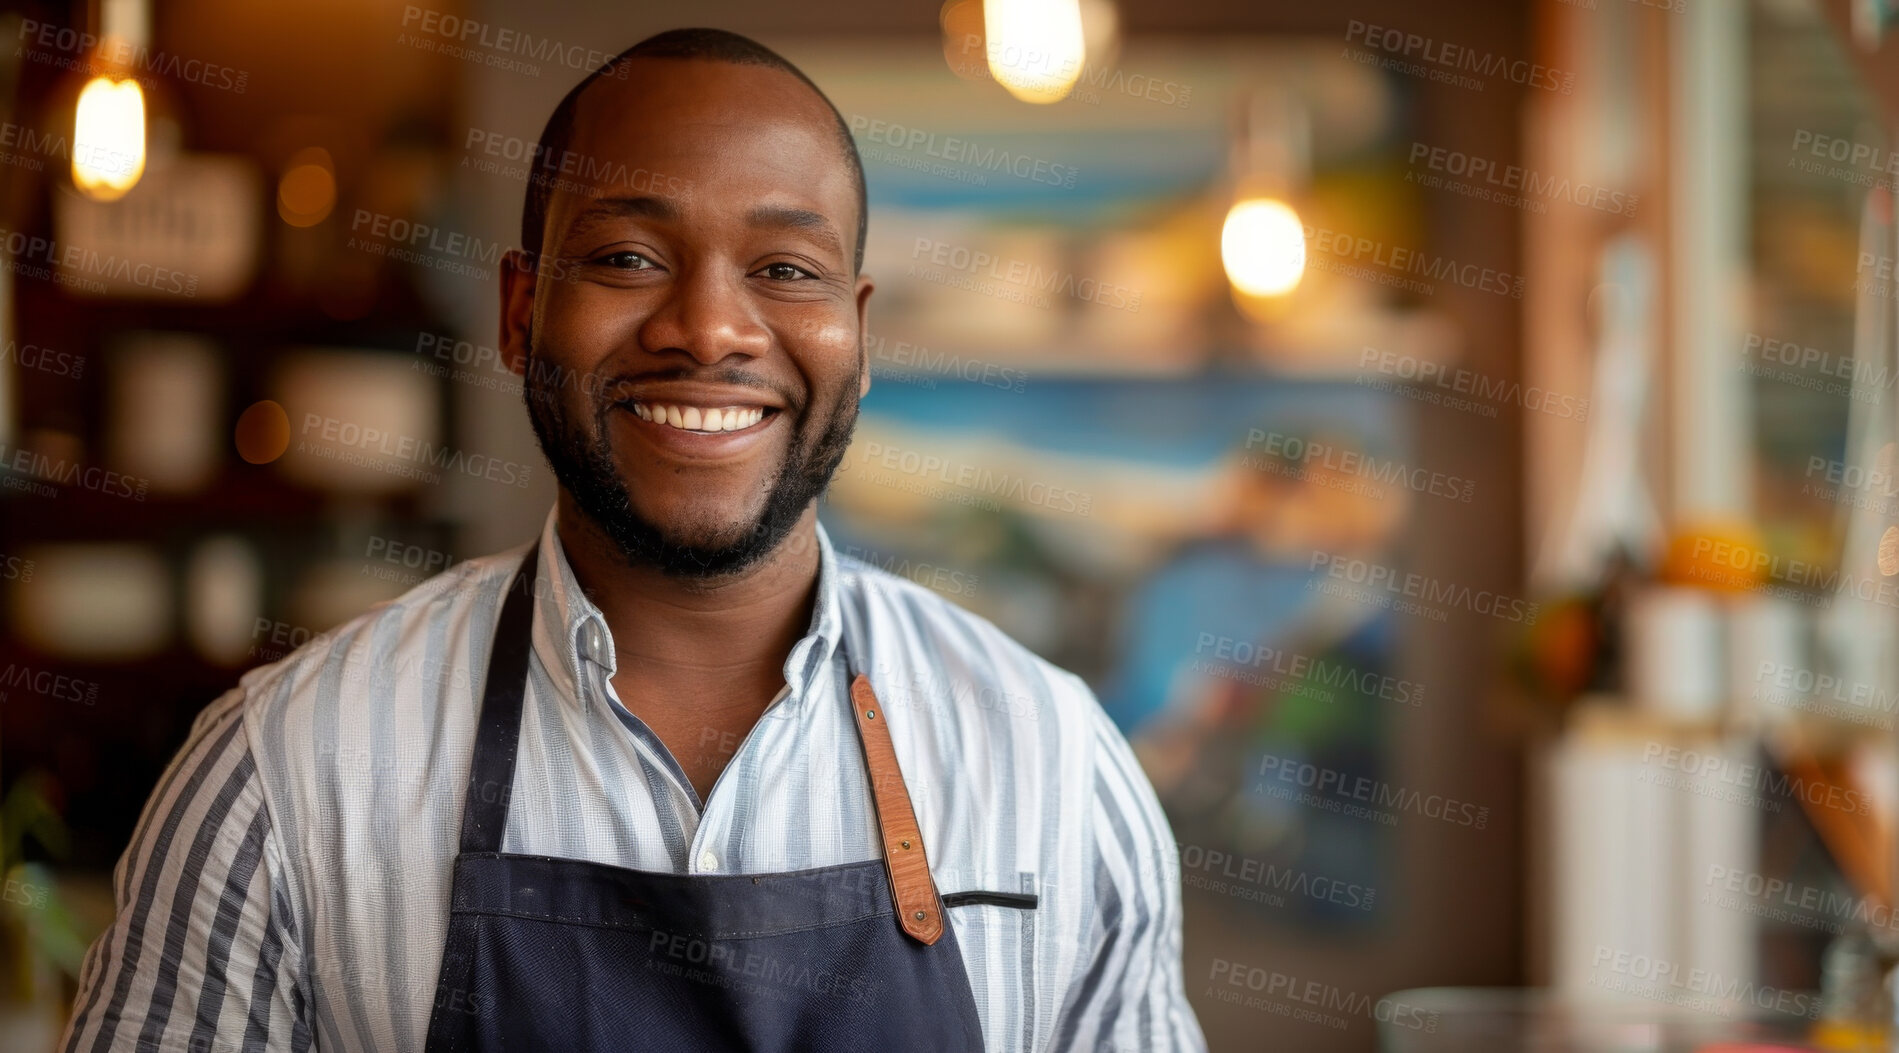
1232,652
676,805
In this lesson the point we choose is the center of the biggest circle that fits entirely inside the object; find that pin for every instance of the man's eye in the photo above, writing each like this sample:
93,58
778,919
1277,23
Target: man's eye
786,272
626,261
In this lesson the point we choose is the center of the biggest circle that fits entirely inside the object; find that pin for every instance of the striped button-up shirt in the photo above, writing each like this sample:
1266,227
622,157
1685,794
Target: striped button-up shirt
287,885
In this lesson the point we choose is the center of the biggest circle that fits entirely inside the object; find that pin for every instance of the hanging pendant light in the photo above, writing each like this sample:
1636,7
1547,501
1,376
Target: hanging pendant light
1262,242
108,150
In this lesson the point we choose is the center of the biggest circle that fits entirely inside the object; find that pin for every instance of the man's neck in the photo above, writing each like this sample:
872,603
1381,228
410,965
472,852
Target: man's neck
717,637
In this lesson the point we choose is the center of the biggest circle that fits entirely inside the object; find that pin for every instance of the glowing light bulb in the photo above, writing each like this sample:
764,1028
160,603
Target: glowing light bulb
1035,47
1263,246
109,138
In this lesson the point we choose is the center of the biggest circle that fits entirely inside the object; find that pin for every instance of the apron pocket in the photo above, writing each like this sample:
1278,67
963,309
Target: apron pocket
1020,900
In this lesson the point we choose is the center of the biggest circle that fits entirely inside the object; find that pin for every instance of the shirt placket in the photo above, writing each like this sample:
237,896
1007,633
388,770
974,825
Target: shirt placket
675,790
707,824
713,849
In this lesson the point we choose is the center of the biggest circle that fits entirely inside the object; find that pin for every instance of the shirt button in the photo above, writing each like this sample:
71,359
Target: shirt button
708,861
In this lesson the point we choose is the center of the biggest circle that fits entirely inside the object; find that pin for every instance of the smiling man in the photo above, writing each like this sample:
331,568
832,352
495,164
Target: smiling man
676,775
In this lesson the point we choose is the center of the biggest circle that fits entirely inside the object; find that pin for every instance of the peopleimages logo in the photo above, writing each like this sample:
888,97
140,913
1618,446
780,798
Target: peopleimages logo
963,151
1778,899
724,966
38,146
25,894
1865,162
1797,688
393,560
1807,367
1310,1000
1224,872
1430,381
1456,57
1299,453
1237,654
504,45
413,237
1353,251
918,361
569,171
57,687
977,56
1330,785
28,467
1659,979
1511,184
1022,273
345,438
925,691
93,54
67,263
1392,581
928,575
1713,770
972,478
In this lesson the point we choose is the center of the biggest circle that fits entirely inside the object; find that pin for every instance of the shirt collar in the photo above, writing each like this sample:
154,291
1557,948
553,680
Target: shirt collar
570,630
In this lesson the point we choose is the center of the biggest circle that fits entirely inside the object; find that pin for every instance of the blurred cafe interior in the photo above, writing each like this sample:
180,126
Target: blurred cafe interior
1454,441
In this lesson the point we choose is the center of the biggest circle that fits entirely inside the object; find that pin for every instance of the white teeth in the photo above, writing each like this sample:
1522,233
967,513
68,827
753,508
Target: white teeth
692,418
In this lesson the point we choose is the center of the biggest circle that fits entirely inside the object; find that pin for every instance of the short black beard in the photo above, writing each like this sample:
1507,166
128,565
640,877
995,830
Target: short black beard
584,466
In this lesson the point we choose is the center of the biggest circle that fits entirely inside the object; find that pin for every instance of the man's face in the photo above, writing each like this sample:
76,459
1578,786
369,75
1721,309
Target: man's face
700,278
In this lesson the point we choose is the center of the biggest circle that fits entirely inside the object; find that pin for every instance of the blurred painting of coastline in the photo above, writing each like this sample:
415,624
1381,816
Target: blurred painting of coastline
1171,541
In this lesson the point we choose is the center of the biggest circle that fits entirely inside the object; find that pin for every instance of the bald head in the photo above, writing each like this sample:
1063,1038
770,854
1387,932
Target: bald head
566,125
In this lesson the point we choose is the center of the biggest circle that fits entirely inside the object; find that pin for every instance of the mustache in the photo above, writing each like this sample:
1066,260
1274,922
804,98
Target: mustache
617,389
546,380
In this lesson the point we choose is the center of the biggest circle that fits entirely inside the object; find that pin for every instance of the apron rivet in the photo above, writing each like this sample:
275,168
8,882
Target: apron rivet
870,714
920,915
906,844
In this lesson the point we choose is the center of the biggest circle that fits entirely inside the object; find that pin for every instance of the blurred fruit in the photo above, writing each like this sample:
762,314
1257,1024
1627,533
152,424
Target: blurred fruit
1728,556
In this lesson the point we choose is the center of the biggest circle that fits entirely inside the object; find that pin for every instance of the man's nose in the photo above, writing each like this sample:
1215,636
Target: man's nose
708,315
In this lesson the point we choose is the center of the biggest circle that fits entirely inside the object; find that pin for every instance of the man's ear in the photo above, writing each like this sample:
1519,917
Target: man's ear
517,309
864,288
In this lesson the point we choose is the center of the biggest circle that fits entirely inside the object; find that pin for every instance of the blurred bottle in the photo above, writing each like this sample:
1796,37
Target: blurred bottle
1892,1001
1854,1008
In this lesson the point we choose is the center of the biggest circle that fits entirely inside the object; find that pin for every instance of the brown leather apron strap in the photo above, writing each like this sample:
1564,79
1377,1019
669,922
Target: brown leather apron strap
911,887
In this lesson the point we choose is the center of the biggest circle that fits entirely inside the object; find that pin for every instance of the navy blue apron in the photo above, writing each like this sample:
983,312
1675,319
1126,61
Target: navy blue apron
566,954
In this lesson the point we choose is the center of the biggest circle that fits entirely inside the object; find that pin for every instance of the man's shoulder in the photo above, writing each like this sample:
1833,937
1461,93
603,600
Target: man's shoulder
423,633
936,651
984,721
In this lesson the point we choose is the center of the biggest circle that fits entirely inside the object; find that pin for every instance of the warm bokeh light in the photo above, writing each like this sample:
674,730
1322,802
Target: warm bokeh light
1100,32
307,191
1035,47
1263,247
109,138
263,432
963,39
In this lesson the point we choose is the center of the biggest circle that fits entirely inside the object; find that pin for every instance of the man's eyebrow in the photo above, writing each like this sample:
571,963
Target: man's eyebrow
804,219
605,208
